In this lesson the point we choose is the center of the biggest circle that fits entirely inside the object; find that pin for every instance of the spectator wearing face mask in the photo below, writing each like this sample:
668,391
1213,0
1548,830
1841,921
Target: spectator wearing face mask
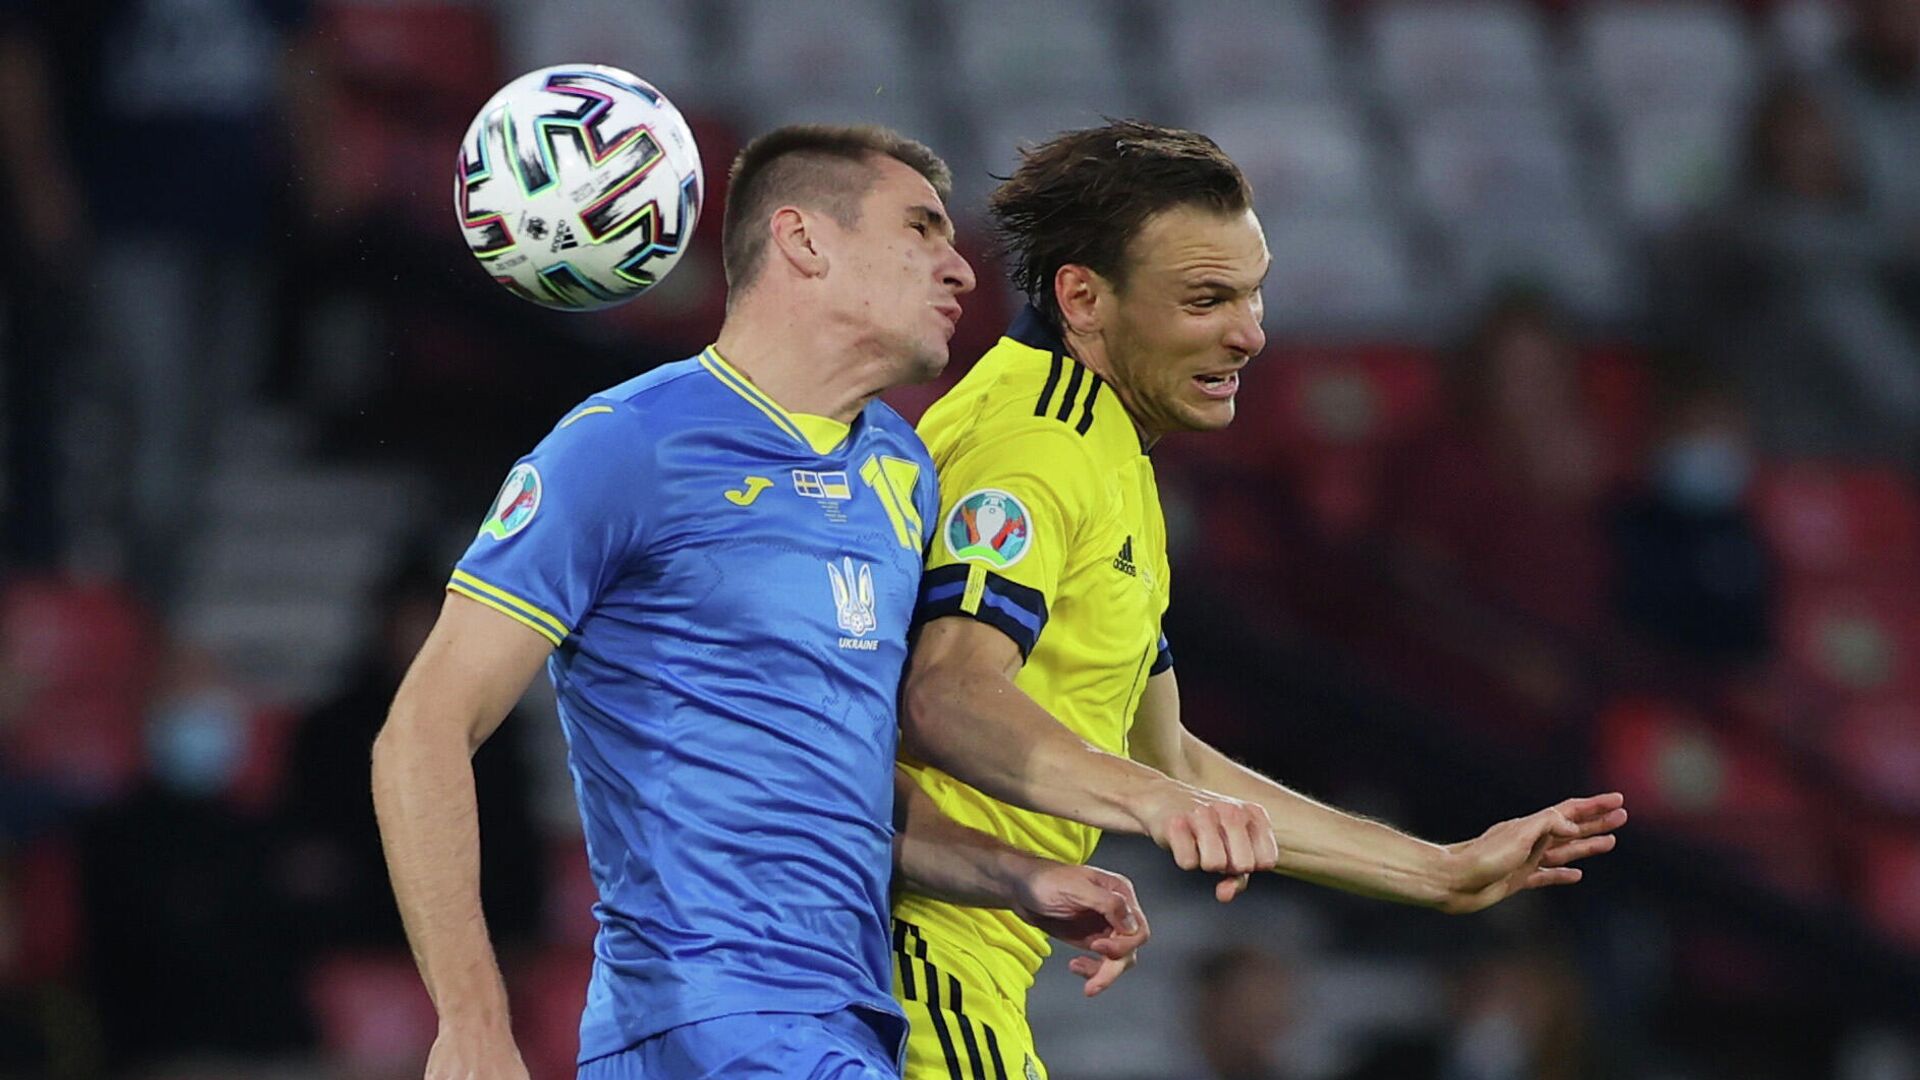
188,952
1691,573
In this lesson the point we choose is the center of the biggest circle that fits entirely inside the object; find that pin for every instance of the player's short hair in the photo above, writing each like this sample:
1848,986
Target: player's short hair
1082,196
822,167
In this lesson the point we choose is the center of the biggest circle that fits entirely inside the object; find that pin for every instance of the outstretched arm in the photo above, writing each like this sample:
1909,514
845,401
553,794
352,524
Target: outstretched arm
1084,906
964,716
1327,846
473,668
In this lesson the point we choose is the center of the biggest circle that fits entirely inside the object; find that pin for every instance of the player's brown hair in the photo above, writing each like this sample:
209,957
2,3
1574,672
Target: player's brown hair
1081,197
821,167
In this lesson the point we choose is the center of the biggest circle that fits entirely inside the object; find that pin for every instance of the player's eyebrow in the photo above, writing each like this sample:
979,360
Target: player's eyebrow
935,220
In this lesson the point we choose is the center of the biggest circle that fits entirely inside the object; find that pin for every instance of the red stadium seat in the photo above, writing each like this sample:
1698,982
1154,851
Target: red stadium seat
1678,773
58,633
571,894
373,1013
1875,745
1889,884
548,995
1838,521
1860,641
414,49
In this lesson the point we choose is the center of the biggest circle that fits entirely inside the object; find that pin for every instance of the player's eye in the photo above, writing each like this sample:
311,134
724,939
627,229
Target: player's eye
919,227
1204,302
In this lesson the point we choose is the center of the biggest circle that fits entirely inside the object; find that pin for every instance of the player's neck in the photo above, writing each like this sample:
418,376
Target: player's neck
1092,354
802,372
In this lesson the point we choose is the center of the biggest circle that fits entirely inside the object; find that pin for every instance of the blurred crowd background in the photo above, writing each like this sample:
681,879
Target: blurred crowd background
1583,457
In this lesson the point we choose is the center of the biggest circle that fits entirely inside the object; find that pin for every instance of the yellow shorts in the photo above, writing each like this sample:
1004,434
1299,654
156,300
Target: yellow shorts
960,1027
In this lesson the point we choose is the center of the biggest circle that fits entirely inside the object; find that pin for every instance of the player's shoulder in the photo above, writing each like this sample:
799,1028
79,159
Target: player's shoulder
1027,389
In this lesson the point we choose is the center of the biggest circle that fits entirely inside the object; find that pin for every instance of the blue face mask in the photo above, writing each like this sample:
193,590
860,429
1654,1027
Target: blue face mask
1704,472
196,742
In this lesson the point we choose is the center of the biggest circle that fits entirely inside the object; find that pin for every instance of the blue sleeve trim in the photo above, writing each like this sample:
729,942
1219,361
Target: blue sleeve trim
1162,658
1009,607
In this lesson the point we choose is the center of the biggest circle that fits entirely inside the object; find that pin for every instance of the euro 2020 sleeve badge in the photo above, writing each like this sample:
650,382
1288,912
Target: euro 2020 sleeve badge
988,526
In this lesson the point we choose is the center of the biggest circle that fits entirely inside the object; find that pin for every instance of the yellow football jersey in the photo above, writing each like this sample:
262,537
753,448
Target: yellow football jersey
1050,531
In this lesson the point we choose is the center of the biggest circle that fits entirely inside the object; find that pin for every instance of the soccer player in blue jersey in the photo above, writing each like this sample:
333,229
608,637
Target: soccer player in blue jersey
718,562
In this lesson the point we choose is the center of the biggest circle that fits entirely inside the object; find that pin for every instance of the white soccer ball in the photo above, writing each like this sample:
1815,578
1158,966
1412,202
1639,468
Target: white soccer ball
578,186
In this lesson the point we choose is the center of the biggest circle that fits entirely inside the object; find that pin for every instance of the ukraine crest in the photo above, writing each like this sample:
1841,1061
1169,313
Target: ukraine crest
989,526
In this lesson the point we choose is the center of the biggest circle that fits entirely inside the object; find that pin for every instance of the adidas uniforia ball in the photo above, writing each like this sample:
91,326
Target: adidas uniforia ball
578,186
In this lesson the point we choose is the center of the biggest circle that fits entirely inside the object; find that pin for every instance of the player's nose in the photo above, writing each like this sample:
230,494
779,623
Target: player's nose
957,274
1246,336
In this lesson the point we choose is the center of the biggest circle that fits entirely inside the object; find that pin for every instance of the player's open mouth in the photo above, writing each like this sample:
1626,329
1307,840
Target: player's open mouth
1219,385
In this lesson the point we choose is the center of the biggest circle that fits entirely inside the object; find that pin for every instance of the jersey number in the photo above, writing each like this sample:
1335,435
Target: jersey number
893,479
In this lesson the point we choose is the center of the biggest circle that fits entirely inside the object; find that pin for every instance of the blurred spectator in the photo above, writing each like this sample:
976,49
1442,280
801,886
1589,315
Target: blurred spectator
40,204
1790,287
1242,1008
335,870
1876,82
171,107
1691,573
1506,495
1520,1013
186,953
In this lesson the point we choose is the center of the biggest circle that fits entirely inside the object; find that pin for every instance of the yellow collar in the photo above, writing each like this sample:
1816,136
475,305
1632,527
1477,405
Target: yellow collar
821,433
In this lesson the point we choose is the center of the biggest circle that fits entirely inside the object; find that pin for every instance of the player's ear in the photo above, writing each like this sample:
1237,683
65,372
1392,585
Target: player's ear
1077,289
792,234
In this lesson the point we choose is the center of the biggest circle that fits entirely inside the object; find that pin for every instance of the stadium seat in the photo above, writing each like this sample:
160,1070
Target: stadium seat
1640,56
409,53
1338,275
1301,158
1875,746
1493,162
548,995
1861,641
1010,51
845,50
1713,787
1673,160
1890,884
1229,52
571,895
1826,521
68,635
372,1011
1430,55
1574,256
1324,397
1675,769
659,40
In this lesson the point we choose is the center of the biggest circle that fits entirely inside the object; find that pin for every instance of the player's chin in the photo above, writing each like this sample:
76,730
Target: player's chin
1207,414
928,361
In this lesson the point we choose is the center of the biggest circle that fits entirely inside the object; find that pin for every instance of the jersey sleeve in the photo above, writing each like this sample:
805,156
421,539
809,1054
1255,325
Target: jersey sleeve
569,514
1010,512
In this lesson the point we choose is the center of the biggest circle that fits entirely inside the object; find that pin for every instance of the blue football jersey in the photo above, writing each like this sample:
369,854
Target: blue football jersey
729,597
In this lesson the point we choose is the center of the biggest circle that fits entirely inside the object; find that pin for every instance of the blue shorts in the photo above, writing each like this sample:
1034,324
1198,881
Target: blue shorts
854,1044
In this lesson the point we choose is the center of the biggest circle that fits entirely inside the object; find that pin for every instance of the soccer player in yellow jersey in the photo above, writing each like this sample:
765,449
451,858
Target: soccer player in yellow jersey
1041,704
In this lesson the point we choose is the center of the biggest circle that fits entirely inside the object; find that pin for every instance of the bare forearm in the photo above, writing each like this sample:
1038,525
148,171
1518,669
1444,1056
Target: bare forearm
1326,846
936,856
986,733
423,795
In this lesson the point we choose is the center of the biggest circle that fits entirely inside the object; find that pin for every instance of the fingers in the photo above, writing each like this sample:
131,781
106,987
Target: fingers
1099,974
1229,887
1546,877
1213,847
1181,843
1575,850
1592,805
